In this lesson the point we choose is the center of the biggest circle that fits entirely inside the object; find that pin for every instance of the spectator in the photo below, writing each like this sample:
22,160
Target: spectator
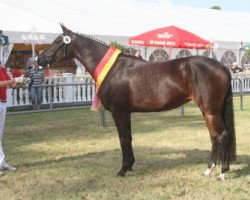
16,72
29,64
37,78
138,54
235,68
48,72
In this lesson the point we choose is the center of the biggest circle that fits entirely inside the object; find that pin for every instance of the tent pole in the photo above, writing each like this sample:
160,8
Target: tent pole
170,53
33,50
239,63
145,53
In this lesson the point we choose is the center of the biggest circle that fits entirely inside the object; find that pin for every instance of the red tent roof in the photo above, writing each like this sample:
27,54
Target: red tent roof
169,37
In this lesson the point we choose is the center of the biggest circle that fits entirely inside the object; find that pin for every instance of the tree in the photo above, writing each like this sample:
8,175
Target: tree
248,53
216,7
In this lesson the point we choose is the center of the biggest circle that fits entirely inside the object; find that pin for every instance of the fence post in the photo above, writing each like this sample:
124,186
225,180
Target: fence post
50,98
68,90
10,99
103,117
241,94
182,111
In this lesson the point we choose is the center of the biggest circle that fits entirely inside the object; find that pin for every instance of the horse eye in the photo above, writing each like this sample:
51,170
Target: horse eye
57,40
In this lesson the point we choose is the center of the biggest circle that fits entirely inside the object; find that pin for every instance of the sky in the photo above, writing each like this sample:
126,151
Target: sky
230,5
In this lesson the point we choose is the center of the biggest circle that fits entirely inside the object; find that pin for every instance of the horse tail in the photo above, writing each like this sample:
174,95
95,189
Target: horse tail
228,117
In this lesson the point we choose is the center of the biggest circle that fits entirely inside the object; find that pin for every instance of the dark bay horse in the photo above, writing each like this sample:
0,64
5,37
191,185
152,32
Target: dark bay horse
135,85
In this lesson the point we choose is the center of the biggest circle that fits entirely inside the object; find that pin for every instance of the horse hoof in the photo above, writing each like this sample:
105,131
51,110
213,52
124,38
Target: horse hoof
121,174
221,177
130,169
207,173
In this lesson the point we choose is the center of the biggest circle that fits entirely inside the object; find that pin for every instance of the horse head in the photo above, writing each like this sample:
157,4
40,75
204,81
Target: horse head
60,49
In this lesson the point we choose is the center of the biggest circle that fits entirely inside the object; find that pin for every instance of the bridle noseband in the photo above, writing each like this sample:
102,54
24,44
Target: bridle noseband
65,42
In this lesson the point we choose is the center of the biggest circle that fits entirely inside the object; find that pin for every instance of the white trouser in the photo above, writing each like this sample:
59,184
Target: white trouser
2,123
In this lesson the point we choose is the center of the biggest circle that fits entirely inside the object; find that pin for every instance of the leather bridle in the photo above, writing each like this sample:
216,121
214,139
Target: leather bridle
65,43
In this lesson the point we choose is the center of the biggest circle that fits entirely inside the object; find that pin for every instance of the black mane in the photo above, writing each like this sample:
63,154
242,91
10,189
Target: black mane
93,38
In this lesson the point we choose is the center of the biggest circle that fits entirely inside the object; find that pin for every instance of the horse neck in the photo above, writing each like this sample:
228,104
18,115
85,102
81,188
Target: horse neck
89,53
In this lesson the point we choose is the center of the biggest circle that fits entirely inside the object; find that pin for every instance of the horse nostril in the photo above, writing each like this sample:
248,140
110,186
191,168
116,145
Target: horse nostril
48,59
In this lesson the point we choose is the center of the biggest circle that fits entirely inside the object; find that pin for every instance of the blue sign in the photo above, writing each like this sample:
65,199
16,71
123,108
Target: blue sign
4,40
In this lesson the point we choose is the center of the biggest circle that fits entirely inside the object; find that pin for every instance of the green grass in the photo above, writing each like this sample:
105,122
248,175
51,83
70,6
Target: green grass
68,155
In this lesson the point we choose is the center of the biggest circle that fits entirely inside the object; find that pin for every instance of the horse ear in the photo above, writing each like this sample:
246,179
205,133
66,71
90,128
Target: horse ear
65,30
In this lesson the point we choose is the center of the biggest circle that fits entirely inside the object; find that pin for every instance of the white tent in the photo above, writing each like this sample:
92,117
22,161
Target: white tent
116,20
122,18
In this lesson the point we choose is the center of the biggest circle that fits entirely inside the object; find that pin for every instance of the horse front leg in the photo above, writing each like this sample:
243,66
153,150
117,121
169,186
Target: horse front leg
123,124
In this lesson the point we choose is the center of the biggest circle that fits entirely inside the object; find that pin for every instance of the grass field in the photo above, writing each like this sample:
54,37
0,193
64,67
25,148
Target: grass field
68,155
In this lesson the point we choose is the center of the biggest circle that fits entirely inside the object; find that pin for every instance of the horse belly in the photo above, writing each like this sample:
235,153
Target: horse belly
158,100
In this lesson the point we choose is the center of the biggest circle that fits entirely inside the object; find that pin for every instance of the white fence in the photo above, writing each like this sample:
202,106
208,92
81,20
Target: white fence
241,85
64,89
69,89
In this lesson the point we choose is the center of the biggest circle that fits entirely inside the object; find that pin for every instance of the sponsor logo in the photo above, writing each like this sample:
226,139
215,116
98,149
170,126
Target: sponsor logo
165,35
162,43
137,42
193,45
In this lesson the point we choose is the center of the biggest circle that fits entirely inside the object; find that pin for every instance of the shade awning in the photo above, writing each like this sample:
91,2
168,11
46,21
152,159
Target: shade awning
171,36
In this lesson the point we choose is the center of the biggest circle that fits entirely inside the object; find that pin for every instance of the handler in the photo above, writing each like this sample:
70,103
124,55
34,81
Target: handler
5,81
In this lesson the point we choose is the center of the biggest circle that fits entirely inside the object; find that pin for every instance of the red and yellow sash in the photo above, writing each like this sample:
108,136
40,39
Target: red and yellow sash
102,70
105,65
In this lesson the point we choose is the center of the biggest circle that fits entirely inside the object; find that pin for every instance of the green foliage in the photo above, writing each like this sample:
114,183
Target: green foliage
123,48
248,53
216,8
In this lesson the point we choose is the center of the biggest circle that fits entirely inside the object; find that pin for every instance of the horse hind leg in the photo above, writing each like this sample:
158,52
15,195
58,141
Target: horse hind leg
220,144
213,157
225,155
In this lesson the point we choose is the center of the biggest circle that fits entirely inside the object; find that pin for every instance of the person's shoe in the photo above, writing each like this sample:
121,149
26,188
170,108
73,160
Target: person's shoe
8,167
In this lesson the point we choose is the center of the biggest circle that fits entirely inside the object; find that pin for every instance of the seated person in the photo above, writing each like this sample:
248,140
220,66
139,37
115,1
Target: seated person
235,68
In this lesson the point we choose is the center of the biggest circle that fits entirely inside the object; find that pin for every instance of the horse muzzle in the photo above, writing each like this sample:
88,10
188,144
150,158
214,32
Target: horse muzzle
44,59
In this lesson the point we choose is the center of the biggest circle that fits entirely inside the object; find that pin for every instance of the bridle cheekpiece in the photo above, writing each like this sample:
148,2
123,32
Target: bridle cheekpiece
65,42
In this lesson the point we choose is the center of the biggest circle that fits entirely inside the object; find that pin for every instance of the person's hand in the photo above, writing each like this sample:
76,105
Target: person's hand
19,79
22,80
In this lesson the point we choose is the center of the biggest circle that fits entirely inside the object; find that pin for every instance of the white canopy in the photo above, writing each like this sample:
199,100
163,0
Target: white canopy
122,18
